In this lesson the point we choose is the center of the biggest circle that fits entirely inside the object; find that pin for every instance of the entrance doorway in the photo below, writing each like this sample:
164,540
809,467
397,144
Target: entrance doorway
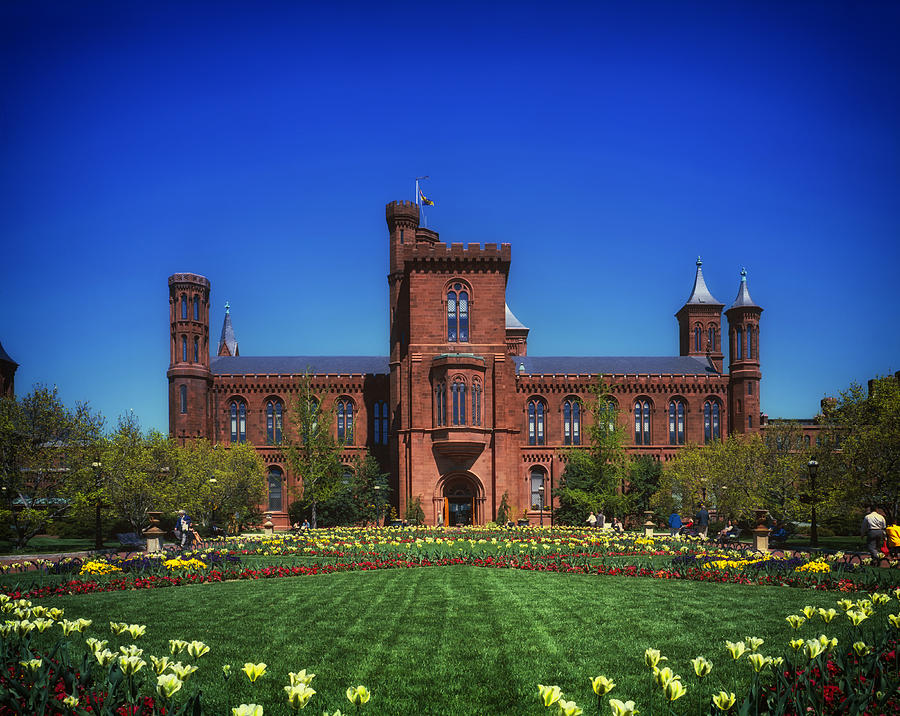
459,503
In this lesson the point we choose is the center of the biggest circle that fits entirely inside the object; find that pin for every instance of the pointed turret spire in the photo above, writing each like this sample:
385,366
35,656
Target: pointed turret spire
700,293
228,345
743,296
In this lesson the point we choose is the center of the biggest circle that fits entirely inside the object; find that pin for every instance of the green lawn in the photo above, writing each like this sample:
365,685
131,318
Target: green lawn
456,640
51,545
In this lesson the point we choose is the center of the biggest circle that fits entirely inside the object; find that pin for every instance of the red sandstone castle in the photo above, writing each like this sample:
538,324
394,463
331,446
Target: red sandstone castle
458,412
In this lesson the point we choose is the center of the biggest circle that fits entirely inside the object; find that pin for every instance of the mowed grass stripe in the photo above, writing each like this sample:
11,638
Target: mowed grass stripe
453,640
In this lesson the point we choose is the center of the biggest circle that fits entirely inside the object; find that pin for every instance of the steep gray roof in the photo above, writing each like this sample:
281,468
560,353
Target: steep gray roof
4,356
743,296
228,338
512,321
700,293
613,365
297,365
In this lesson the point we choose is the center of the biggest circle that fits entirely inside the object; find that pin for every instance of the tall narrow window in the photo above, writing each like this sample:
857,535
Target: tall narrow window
535,422
196,308
711,423
345,421
749,421
712,338
458,391
183,395
749,387
750,342
196,350
380,423
607,418
572,422
440,404
184,307
537,494
676,422
238,414
738,344
698,332
274,422
184,349
642,422
476,402
275,475
458,314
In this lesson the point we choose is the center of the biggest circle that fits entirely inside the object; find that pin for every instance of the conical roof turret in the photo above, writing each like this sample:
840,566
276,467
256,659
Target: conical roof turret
512,322
743,299
228,345
4,356
700,293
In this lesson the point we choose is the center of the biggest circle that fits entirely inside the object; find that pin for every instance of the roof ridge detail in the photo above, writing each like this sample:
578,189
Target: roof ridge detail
700,293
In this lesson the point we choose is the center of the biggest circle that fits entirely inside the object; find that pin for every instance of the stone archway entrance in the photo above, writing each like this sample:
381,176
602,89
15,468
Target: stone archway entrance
460,500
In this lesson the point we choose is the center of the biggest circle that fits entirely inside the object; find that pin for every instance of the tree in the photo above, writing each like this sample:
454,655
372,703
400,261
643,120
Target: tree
46,453
643,475
593,478
315,456
139,472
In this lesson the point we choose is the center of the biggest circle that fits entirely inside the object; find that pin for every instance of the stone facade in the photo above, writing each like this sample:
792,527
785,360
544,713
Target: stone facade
458,412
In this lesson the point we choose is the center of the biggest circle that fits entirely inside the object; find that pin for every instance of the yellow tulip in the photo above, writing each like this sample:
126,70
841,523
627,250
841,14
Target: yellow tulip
254,671
105,657
568,708
299,695
758,661
197,649
130,665
182,671
753,642
601,685
301,677
358,695
724,700
827,614
549,694
117,627
861,648
71,701
160,664
894,619
247,710
809,612
652,658
856,618
797,644
736,649
813,648
620,708
94,645
664,676
33,664
795,620
674,690
702,666
845,604
167,685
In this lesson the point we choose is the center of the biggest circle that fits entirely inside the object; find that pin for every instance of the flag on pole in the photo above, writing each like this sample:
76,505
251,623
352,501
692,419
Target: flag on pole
425,199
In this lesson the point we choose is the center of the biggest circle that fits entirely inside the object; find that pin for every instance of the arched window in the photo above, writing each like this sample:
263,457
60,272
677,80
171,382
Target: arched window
749,341
184,306
711,424
196,350
238,415
345,420
458,389
698,332
642,422
196,308
572,422
440,404
536,411
738,344
184,349
275,477
476,402
676,422
183,395
712,338
537,480
608,417
274,421
458,314
380,423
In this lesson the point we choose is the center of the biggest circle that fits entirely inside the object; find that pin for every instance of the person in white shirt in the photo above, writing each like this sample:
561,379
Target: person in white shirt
873,527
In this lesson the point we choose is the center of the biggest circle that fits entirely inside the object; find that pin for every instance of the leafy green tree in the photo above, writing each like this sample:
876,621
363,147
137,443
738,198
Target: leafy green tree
504,510
785,481
46,457
594,476
314,455
140,472
643,475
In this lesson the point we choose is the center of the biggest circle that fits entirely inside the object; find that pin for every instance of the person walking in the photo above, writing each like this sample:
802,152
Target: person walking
873,529
702,521
674,524
183,528
591,520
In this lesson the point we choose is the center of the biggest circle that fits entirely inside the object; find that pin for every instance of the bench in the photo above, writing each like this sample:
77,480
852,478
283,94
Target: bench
732,539
131,542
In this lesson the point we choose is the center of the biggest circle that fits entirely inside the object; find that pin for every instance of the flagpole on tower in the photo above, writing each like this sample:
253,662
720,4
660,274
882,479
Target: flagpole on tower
422,216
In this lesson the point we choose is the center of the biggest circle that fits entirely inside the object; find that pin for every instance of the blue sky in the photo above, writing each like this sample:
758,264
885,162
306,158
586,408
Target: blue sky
610,144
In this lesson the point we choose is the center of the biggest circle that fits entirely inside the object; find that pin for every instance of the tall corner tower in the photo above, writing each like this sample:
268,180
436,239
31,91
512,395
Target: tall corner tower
743,361
189,375
700,323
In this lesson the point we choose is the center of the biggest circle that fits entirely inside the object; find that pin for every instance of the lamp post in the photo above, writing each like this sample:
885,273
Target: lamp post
541,492
377,504
813,468
98,524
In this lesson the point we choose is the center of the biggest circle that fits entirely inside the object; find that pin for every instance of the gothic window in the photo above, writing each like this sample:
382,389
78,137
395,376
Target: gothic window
537,480
380,423
711,421
676,422
642,422
238,421
274,421
738,344
196,308
275,476
183,395
458,390
196,350
749,387
458,314
572,422
749,341
536,411
698,332
184,306
345,421
749,421
184,354
440,404
476,402
712,338
607,418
